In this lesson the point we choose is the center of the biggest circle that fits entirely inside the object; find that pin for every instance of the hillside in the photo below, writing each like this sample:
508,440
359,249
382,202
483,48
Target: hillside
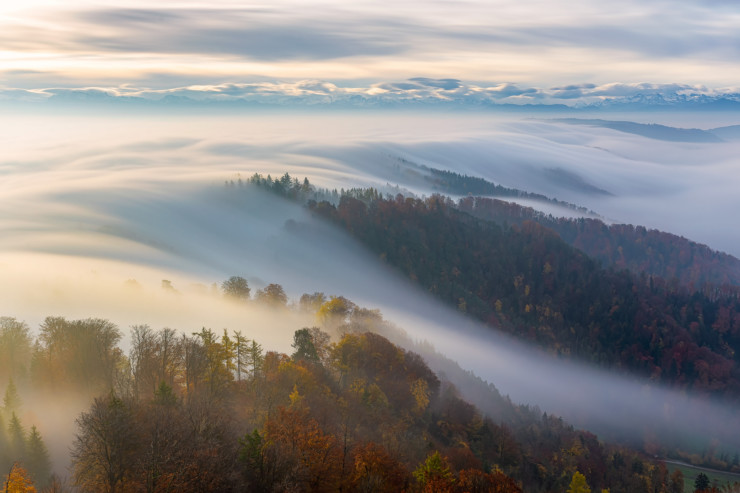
622,246
216,412
530,283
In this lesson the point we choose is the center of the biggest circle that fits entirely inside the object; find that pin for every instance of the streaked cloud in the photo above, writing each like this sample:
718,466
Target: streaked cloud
521,45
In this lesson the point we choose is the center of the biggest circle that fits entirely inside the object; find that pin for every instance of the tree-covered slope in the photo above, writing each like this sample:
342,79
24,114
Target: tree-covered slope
622,246
528,281
216,412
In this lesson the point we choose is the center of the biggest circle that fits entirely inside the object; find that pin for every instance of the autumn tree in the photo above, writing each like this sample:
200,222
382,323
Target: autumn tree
219,357
676,484
374,470
18,481
578,484
334,312
434,474
296,435
477,481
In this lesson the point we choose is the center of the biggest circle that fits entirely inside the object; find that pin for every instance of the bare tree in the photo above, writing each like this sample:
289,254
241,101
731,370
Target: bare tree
105,449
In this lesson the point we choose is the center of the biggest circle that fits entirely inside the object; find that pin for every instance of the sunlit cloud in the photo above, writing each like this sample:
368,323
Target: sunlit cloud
529,44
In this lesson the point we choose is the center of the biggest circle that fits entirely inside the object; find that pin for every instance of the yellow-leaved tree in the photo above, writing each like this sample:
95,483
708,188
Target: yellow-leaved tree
578,484
18,481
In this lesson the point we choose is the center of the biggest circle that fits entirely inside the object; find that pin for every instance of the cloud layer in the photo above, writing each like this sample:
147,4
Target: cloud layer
522,45
89,203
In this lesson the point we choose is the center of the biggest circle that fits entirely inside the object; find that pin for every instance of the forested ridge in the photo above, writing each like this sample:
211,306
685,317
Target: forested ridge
622,246
348,410
529,282
525,279
214,411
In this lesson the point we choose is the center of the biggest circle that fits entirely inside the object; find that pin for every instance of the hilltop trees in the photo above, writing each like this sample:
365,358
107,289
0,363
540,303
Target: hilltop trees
236,288
80,355
15,348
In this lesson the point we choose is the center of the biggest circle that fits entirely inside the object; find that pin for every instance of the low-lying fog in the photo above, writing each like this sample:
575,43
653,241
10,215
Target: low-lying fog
89,203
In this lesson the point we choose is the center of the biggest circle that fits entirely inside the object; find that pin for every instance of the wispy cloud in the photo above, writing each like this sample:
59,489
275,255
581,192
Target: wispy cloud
522,44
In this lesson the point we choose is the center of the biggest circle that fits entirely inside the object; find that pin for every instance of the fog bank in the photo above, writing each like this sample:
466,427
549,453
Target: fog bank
90,204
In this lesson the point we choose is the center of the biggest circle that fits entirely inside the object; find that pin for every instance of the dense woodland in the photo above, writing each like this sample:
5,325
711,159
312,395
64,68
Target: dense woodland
527,281
524,278
214,411
622,246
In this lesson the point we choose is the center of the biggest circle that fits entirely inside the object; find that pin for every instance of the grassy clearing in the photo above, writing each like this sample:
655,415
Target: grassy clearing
690,473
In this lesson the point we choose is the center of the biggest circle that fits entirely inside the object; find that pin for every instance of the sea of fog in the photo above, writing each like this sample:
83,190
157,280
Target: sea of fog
96,211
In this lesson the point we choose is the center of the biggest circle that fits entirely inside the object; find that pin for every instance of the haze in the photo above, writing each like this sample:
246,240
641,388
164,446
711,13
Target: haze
90,203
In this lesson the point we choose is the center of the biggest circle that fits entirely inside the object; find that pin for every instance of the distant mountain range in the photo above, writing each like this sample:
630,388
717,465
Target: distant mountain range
191,97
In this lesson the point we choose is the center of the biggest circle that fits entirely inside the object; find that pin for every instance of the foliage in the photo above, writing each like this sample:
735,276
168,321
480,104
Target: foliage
529,282
18,481
622,246
236,288
701,482
578,484
272,295
354,414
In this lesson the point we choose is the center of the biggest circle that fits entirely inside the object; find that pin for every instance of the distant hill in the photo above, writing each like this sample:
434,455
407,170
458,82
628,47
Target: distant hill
731,133
651,131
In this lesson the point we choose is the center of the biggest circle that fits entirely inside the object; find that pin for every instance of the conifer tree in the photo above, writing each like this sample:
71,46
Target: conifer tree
37,458
11,401
16,438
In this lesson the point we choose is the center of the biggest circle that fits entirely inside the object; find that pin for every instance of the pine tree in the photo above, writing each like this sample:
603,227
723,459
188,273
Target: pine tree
701,482
16,438
11,401
37,458
5,460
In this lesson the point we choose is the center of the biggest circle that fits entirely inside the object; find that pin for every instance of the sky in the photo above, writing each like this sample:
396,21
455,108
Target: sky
473,52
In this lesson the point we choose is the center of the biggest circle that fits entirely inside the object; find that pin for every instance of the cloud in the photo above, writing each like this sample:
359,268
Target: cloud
446,84
249,33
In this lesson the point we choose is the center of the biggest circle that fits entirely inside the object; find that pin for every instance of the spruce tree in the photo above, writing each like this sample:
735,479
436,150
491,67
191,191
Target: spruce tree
37,458
16,438
11,401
